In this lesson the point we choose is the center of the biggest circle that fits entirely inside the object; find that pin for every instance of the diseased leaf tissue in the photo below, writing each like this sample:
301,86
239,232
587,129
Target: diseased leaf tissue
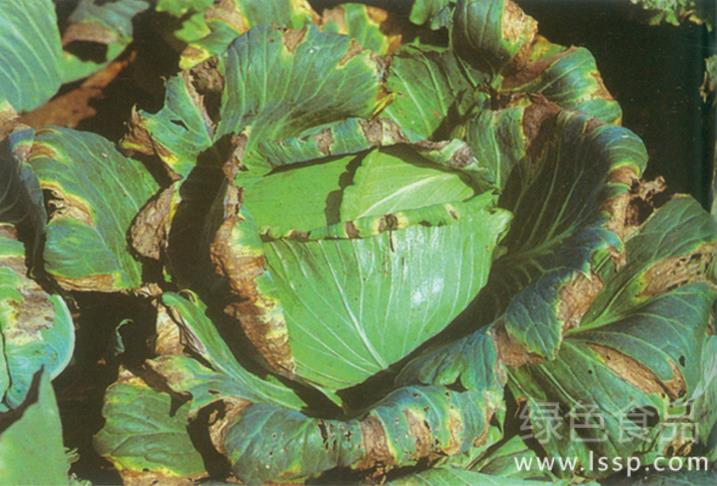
359,246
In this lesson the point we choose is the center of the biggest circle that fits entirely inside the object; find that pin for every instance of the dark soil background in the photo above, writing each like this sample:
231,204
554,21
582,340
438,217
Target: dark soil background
654,72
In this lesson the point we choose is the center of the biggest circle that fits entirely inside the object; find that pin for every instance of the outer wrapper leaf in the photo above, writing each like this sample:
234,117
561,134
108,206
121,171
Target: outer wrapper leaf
410,424
178,133
495,32
226,378
564,195
291,101
273,120
638,346
96,192
145,434
431,89
229,19
495,46
362,23
263,434
472,362
567,77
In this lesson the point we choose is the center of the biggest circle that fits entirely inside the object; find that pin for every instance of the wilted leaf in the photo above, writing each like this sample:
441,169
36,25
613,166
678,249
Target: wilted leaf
492,34
473,363
438,12
260,113
567,77
36,330
178,133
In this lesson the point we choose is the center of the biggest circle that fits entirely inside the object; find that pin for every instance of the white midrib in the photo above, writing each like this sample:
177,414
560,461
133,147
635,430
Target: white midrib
403,190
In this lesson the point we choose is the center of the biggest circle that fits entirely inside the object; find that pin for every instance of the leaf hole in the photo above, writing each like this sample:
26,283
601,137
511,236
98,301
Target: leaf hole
324,434
180,123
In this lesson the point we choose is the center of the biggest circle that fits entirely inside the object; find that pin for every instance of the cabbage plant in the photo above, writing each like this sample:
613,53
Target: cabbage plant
370,245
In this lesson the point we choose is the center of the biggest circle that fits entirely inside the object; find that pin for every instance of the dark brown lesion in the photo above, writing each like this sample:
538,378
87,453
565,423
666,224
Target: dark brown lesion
257,313
354,50
638,375
576,296
510,352
421,432
516,25
670,273
149,233
228,12
33,312
380,132
539,125
324,141
374,444
292,38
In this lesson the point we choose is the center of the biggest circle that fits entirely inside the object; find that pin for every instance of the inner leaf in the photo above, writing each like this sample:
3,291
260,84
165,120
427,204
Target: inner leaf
297,198
351,187
395,179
